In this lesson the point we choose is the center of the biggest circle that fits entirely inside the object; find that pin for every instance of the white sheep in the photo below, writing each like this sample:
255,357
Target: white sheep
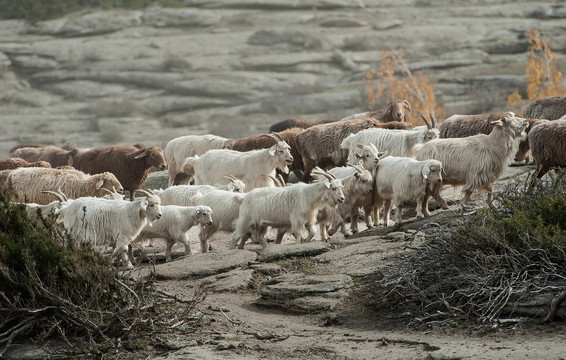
225,207
178,149
293,206
395,142
475,162
213,167
356,186
401,179
173,225
28,184
95,221
182,194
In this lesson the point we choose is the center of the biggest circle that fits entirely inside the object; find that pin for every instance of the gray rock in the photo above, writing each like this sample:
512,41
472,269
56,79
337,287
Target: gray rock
231,281
354,260
281,251
162,17
386,24
272,36
156,180
342,22
202,265
267,269
100,22
299,292
277,4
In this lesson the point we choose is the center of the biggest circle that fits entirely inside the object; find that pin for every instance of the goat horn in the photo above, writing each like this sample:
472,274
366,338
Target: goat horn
357,167
276,136
231,178
428,124
319,171
108,191
275,180
57,195
145,192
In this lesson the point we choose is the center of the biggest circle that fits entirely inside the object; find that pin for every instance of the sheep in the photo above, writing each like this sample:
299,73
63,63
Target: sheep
402,179
225,207
54,155
549,108
130,164
264,142
94,221
27,184
293,206
296,123
458,126
212,167
396,143
182,194
356,186
180,148
320,145
548,145
14,163
396,110
369,158
475,161
173,225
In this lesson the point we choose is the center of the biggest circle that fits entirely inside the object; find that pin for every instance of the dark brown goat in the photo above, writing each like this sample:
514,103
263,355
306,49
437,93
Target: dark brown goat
548,144
129,164
263,142
458,126
54,155
320,145
549,108
14,163
298,123
396,110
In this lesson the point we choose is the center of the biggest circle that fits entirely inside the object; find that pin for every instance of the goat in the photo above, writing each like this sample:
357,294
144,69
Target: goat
173,225
182,194
458,126
180,148
96,221
130,164
548,108
395,142
296,123
54,155
27,184
400,179
293,206
320,145
14,163
213,167
396,110
548,145
475,161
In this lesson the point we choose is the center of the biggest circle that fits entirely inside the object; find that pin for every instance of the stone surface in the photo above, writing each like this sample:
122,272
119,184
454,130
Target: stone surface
231,281
202,265
281,251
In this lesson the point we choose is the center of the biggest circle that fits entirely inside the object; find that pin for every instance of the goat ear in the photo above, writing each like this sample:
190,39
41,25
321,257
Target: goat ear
272,150
142,153
426,170
144,202
99,184
359,156
356,175
406,105
198,212
497,123
383,154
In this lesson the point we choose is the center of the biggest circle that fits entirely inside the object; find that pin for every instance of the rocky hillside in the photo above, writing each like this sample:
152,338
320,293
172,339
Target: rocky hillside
233,67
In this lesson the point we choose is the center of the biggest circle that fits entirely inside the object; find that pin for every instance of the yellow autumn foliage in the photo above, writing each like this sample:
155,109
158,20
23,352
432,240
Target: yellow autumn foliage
393,80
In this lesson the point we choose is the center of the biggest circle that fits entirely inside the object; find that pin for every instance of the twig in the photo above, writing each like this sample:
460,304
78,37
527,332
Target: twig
230,320
554,306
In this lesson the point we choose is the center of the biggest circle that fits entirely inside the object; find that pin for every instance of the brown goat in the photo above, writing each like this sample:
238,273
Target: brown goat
549,108
14,163
548,145
458,126
263,142
396,110
320,145
299,123
129,164
54,155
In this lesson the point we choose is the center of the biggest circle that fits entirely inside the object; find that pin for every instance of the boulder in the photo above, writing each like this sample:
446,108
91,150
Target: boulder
162,17
281,251
100,22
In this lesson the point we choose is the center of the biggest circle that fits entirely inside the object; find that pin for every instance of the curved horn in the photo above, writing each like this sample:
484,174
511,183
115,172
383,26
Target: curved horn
57,195
231,178
276,136
108,191
434,120
360,146
319,171
358,168
62,194
145,192
275,180
428,124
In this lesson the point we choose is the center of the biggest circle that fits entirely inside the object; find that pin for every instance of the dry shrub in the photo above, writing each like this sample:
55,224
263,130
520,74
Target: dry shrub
481,268
543,77
393,80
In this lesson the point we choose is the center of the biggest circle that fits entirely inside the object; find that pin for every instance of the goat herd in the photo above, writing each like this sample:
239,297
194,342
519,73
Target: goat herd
372,160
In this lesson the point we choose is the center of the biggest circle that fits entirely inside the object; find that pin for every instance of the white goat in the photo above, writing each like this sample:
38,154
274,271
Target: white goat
98,221
401,179
27,184
225,207
357,186
395,142
293,206
213,167
475,161
182,194
173,225
178,149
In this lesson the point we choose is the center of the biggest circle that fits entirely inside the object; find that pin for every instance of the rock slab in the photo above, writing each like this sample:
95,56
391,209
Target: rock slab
281,251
